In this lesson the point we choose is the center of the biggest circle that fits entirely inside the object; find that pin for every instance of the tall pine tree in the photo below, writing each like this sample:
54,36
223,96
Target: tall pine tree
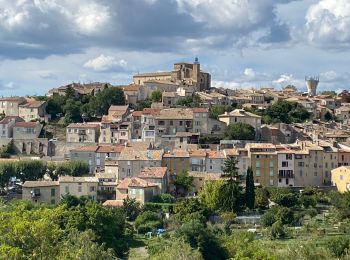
250,189
230,192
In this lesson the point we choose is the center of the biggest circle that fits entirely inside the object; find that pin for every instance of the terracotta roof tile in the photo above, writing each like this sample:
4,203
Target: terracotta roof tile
27,124
34,184
153,172
134,182
82,125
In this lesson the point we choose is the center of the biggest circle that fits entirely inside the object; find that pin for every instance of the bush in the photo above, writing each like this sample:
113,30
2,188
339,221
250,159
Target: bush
338,245
268,218
285,215
308,201
277,230
163,198
148,221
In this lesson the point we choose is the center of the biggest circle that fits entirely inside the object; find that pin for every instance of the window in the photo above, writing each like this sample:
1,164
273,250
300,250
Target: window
53,201
284,164
257,164
301,173
289,156
171,122
271,182
341,177
79,189
180,123
161,122
257,173
301,164
196,115
92,188
53,192
67,189
271,172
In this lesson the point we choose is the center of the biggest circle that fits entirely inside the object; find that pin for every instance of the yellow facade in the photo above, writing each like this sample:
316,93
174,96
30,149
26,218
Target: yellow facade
341,178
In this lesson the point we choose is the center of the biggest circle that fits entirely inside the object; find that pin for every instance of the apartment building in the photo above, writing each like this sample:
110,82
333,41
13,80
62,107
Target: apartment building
156,175
26,130
176,161
82,133
285,161
133,160
9,106
7,124
215,161
198,160
96,155
33,110
241,116
41,191
264,163
116,126
79,186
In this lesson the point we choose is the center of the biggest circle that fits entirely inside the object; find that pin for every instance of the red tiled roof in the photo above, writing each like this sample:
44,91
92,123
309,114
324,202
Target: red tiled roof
27,124
131,87
90,148
110,148
137,113
153,172
134,182
82,125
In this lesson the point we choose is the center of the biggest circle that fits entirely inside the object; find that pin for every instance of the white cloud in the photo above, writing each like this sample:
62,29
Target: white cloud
328,23
104,63
91,18
249,72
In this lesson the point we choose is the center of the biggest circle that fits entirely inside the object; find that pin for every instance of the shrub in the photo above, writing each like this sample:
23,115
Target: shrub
277,230
268,218
338,245
148,220
308,201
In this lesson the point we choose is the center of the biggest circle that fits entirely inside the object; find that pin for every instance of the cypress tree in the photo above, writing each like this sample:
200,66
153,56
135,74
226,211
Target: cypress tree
250,189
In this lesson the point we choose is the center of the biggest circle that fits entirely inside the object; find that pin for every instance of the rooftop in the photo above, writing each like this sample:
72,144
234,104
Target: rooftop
153,172
176,113
78,179
239,113
34,184
134,182
27,124
83,125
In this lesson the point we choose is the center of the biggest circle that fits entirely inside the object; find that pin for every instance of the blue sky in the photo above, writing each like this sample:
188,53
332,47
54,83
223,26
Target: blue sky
242,43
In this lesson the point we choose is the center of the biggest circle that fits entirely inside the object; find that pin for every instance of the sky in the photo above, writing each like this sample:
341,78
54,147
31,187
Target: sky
242,43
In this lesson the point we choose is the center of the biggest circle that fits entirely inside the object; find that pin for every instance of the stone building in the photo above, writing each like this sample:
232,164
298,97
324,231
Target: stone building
188,73
82,133
41,191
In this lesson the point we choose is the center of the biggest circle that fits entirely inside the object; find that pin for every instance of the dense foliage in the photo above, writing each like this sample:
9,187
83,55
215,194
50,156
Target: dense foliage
75,108
240,131
85,231
189,101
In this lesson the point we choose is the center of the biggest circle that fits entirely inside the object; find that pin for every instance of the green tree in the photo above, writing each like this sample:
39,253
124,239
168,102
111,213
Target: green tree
72,168
183,183
198,236
217,110
131,208
7,170
72,111
240,131
148,221
156,96
277,230
250,189
82,245
286,112
210,194
261,198
338,245
328,116
191,208
70,93
231,192
175,249
331,93
189,101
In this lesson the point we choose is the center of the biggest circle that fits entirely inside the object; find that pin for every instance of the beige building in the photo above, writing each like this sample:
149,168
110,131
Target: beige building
188,73
264,163
116,126
7,124
241,116
26,130
133,160
136,188
79,186
41,191
33,110
132,93
200,178
10,105
341,178
82,133
156,175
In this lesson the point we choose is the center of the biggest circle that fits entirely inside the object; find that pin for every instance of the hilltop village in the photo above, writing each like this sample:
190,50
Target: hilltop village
170,152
